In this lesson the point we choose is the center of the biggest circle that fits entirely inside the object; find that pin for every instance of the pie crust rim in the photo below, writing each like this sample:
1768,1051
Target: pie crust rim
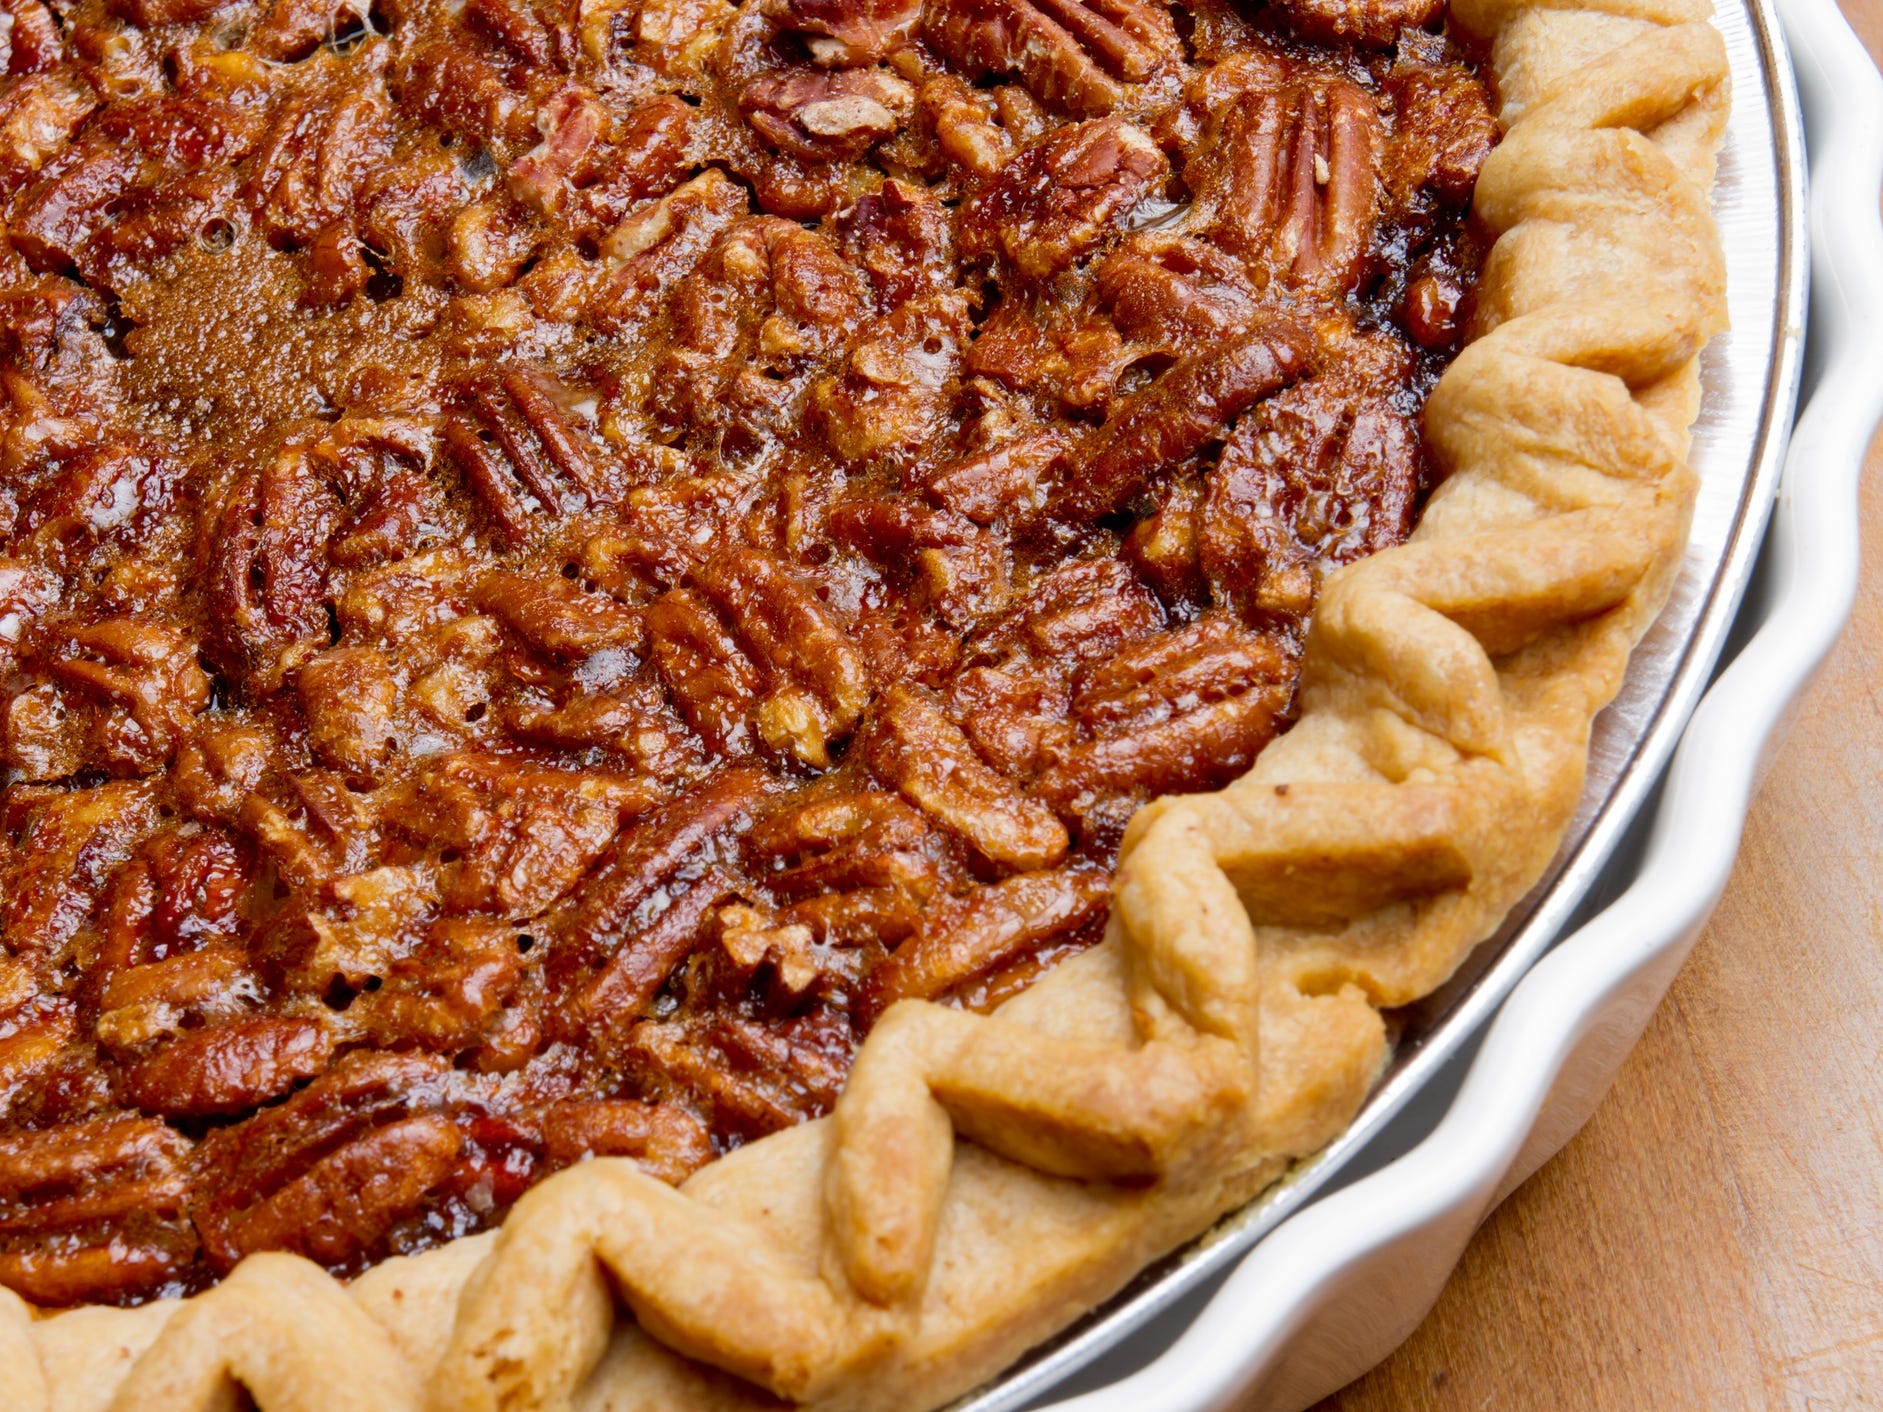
1228,1024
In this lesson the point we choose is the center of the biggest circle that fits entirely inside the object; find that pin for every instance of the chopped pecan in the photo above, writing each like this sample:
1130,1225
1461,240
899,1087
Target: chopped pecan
129,152
927,757
1373,23
664,531
572,124
1317,477
38,115
182,888
445,997
671,37
963,120
147,670
842,33
816,688
632,721
1285,178
522,453
1165,543
658,244
93,1209
668,1143
291,30
350,929
770,301
350,695
889,394
1183,410
519,28
33,40
464,93
1075,55
110,493
648,156
956,567
823,116
989,928
902,238
1057,201
56,217
1443,130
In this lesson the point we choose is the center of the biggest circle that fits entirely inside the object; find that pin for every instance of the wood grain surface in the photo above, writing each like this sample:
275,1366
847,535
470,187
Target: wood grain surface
1714,1237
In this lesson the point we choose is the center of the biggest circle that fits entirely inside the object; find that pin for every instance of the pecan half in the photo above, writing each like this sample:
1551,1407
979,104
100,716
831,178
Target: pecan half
147,670
1074,614
668,1143
332,1170
522,453
1183,711
1076,55
751,1078
1285,178
1317,477
68,845
266,565
93,1209
990,928
1189,405
522,835
228,1068
634,920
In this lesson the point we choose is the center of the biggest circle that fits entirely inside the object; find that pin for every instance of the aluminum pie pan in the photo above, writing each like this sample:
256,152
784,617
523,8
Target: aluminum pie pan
1749,379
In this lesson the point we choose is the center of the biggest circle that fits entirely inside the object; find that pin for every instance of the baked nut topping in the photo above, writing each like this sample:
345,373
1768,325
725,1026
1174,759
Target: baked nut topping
557,562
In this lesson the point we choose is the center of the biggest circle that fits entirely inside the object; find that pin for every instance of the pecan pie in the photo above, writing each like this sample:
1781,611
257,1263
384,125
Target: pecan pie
903,617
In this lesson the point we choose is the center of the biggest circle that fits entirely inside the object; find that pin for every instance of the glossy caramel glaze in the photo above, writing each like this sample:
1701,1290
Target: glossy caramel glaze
555,561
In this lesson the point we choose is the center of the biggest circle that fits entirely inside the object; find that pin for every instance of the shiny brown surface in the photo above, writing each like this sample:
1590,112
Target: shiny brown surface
553,565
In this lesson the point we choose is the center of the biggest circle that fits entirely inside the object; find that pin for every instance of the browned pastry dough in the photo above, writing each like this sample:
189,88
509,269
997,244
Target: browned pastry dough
985,1180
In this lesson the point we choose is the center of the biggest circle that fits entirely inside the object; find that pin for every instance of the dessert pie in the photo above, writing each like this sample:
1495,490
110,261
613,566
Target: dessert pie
706,703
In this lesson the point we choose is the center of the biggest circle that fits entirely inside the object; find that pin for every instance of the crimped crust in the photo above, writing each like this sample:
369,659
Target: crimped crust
1228,1025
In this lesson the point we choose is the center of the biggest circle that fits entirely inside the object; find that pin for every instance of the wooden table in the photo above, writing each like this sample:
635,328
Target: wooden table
1714,1237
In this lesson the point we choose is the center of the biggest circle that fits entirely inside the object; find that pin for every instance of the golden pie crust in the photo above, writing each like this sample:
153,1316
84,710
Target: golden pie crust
986,1180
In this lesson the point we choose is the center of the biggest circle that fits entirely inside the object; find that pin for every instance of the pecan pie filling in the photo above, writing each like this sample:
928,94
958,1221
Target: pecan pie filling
557,559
